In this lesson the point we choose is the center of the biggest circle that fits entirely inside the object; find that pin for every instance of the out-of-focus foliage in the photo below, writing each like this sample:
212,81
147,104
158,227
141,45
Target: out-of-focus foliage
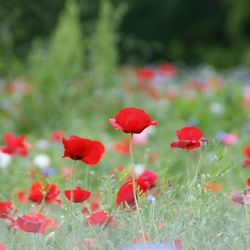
214,31
103,45
54,70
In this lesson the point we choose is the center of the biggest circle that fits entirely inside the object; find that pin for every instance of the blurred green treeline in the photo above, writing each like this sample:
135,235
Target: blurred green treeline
212,31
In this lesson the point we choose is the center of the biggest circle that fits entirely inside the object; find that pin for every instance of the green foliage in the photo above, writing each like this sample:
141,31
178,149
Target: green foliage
54,70
103,46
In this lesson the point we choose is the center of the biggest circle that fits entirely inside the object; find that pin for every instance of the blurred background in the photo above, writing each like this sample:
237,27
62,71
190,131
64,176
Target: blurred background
59,55
216,32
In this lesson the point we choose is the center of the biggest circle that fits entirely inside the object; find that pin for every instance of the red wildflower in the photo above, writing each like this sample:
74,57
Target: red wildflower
178,244
5,208
33,223
57,135
247,151
49,193
99,218
146,179
145,74
189,138
94,204
132,120
143,182
248,181
21,196
122,147
79,195
86,150
125,195
213,187
15,145
167,69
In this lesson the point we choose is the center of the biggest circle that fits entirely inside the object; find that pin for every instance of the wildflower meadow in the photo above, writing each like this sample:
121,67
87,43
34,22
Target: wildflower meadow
101,155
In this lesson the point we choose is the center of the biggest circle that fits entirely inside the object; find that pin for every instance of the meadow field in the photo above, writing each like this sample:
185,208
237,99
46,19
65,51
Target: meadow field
116,130
191,195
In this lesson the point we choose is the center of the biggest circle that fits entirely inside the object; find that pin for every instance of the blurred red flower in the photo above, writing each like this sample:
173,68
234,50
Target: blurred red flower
147,179
122,147
125,195
189,138
15,145
79,194
49,193
33,223
143,182
138,239
213,187
145,74
21,196
167,69
57,135
248,181
5,208
132,120
247,151
86,150
99,218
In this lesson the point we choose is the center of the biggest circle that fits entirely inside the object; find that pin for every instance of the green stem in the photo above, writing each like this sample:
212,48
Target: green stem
34,241
197,171
72,192
134,185
72,185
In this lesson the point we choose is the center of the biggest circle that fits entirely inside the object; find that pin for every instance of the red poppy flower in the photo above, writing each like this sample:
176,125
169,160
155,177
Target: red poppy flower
33,223
189,138
248,181
144,182
147,179
247,151
79,195
15,145
145,74
5,208
125,195
132,120
99,218
86,150
49,193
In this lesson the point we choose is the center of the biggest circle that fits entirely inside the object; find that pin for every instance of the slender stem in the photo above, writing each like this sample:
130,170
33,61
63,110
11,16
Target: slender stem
134,185
72,191
197,171
34,241
72,186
